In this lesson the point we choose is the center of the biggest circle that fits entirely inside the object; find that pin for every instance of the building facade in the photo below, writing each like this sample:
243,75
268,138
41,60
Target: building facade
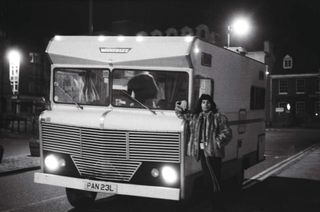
295,99
25,105
294,93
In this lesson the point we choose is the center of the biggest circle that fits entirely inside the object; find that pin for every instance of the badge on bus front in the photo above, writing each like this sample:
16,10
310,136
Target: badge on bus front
100,186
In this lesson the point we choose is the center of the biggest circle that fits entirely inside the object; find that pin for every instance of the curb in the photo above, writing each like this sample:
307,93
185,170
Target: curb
290,129
17,171
18,164
277,168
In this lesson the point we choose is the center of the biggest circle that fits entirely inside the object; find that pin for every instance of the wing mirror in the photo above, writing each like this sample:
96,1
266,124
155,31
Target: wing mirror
46,103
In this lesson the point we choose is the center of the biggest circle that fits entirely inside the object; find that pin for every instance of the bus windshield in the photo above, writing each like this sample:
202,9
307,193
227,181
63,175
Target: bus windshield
146,88
81,86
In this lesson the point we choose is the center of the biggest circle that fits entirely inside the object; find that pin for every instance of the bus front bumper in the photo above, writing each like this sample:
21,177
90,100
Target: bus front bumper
108,187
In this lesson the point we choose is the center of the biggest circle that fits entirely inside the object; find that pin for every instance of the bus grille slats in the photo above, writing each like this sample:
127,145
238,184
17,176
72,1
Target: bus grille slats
148,146
107,169
110,155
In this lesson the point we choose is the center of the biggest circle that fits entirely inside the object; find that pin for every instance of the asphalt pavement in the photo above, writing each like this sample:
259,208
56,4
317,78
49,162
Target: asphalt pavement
308,167
16,155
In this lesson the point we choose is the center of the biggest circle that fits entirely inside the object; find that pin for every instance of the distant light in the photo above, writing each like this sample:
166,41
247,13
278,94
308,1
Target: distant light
188,38
139,38
317,114
240,26
267,70
288,106
120,38
196,50
14,56
101,38
57,37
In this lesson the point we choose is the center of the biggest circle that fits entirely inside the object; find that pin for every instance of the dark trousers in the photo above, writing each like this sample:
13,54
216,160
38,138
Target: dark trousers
215,165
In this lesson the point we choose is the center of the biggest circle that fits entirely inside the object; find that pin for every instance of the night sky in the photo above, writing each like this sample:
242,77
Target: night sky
285,22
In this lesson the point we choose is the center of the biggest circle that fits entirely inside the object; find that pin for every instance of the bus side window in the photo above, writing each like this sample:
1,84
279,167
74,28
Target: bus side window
206,87
202,86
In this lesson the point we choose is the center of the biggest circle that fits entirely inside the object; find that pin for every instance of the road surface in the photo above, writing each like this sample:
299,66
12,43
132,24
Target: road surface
275,193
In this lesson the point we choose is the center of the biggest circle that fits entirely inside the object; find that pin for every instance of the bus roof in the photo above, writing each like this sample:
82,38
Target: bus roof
121,50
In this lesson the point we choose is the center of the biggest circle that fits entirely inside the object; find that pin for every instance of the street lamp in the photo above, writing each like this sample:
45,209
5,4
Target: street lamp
288,107
14,58
240,27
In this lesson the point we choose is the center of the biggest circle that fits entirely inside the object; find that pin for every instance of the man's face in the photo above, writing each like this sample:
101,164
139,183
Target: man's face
205,105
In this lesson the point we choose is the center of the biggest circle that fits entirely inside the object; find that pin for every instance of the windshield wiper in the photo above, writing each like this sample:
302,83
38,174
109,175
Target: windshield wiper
140,103
68,95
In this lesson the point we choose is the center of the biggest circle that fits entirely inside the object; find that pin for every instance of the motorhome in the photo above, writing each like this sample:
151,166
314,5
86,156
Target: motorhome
111,126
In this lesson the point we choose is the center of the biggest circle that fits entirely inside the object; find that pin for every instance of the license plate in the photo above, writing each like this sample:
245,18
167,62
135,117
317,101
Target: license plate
96,186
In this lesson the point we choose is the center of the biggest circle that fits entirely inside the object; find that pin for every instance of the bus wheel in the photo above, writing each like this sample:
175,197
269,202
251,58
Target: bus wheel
79,198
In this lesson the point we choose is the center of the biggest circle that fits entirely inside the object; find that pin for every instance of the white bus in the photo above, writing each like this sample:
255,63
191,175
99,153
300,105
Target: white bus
112,128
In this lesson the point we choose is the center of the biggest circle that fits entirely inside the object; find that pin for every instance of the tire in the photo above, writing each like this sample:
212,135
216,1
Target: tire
80,198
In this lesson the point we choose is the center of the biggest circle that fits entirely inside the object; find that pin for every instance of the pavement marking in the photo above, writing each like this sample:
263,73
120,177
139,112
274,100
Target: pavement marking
277,167
35,203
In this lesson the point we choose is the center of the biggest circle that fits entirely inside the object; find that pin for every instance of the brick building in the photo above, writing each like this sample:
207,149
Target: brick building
294,91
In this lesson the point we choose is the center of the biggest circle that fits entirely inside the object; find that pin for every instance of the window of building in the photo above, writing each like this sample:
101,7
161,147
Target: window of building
300,107
31,87
257,98
287,62
317,107
300,86
317,86
283,86
282,107
34,57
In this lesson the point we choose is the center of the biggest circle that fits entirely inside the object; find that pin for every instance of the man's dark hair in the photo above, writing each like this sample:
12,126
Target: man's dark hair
144,87
198,108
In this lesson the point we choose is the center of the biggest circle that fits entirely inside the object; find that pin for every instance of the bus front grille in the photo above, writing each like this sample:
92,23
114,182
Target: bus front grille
110,154
154,146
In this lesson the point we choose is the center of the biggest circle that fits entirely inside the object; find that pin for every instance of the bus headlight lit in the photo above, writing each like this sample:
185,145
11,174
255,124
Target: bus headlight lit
53,162
169,174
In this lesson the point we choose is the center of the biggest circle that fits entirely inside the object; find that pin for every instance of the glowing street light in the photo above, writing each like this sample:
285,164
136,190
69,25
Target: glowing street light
240,27
14,58
288,107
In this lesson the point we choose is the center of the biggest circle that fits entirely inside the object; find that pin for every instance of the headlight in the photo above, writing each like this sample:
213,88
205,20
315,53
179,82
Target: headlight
53,162
169,174
155,172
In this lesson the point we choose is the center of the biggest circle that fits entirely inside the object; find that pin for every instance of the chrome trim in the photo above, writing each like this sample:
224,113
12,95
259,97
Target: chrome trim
122,188
182,164
102,118
41,143
127,146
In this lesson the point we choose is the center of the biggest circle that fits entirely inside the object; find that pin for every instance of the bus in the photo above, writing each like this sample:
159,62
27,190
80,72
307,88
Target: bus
111,125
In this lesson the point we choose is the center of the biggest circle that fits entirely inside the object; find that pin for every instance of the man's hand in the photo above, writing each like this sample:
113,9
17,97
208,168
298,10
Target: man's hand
181,105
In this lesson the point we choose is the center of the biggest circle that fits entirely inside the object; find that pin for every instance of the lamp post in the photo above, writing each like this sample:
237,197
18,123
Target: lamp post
14,58
90,18
240,26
